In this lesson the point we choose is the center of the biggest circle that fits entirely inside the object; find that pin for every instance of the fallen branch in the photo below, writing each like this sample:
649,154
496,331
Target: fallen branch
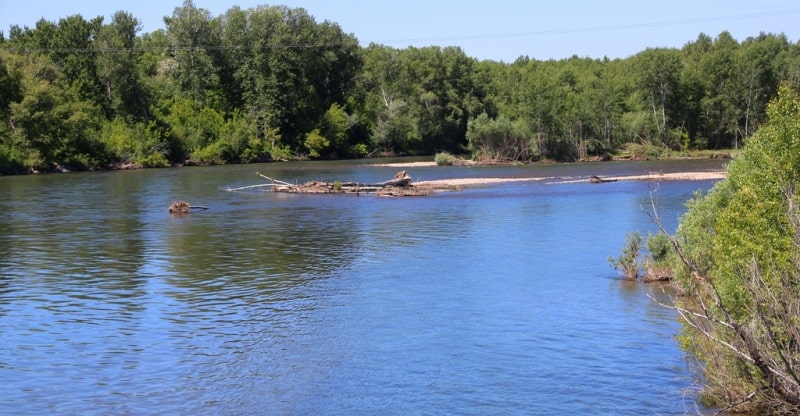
273,180
243,188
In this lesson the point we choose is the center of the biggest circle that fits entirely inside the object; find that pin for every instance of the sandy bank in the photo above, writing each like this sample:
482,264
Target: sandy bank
675,176
473,181
406,165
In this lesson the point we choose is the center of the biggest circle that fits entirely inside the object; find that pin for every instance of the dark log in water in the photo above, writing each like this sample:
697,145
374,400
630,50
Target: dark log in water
597,179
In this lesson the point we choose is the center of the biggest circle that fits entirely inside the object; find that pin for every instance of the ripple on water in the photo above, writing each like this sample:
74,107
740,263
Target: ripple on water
485,301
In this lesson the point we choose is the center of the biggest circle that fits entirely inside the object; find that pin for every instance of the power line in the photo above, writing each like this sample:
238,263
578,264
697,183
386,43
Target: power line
300,45
600,28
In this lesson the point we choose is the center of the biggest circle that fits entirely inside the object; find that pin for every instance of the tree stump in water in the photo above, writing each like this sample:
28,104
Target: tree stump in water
182,207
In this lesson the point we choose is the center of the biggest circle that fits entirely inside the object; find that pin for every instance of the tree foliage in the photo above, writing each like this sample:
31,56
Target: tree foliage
242,85
739,246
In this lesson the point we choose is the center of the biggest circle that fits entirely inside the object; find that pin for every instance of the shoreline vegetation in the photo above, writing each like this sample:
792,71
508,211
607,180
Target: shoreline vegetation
96,94
733,264
440,159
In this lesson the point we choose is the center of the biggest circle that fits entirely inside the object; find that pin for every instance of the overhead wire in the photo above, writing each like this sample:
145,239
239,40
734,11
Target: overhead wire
602,28
549,32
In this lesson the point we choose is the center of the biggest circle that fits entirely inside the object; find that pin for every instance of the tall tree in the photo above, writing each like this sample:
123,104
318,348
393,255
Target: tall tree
117,66
719,104
757,80
193,35
9,90
53,124
657,74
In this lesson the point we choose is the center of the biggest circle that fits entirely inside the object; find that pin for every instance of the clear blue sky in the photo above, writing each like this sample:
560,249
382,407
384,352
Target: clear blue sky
497,30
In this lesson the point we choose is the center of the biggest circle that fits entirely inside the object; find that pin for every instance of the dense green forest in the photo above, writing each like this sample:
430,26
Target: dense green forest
272,83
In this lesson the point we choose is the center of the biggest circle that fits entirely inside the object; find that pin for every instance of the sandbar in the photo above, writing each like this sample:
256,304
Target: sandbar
653,177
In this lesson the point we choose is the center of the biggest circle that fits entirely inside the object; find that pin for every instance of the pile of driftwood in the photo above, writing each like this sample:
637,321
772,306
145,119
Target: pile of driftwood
183,207
400,185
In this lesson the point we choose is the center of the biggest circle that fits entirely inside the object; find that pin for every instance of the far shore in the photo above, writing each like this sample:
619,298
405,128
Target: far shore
651,177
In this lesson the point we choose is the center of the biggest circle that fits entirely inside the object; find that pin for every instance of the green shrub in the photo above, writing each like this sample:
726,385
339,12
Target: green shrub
628,261
444,159
359,150
659,246
316,143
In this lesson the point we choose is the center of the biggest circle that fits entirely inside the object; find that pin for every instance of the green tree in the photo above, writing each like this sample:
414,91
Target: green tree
384,84
10,92
693,87
193,34
117,68
52,124
499,139
420,99
740,270
279,83
334,127
657,74
395,128
758,82
316,143
719,103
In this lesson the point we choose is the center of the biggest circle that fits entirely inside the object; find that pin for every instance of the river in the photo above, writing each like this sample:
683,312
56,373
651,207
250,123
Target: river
490,300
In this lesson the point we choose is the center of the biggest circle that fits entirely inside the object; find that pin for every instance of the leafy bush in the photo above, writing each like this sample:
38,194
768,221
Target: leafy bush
444,159
213,153
359,150
316,143
645,152
11,159
658,263
628,261
659,246
498,139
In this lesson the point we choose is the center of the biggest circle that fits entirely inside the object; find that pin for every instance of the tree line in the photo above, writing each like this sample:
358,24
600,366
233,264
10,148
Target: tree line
272,83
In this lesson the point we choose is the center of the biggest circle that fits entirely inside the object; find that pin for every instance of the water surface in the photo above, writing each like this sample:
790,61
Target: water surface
492,300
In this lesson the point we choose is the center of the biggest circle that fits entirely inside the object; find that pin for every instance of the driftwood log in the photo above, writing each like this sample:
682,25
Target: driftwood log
597,179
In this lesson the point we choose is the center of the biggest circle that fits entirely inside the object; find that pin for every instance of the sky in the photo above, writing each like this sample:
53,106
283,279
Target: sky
500,30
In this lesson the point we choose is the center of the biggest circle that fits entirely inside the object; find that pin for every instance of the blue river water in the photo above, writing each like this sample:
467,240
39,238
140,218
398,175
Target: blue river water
496,299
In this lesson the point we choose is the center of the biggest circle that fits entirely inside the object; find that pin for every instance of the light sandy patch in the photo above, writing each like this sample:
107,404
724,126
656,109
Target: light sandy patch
654,177
474,181
675,176
406,165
